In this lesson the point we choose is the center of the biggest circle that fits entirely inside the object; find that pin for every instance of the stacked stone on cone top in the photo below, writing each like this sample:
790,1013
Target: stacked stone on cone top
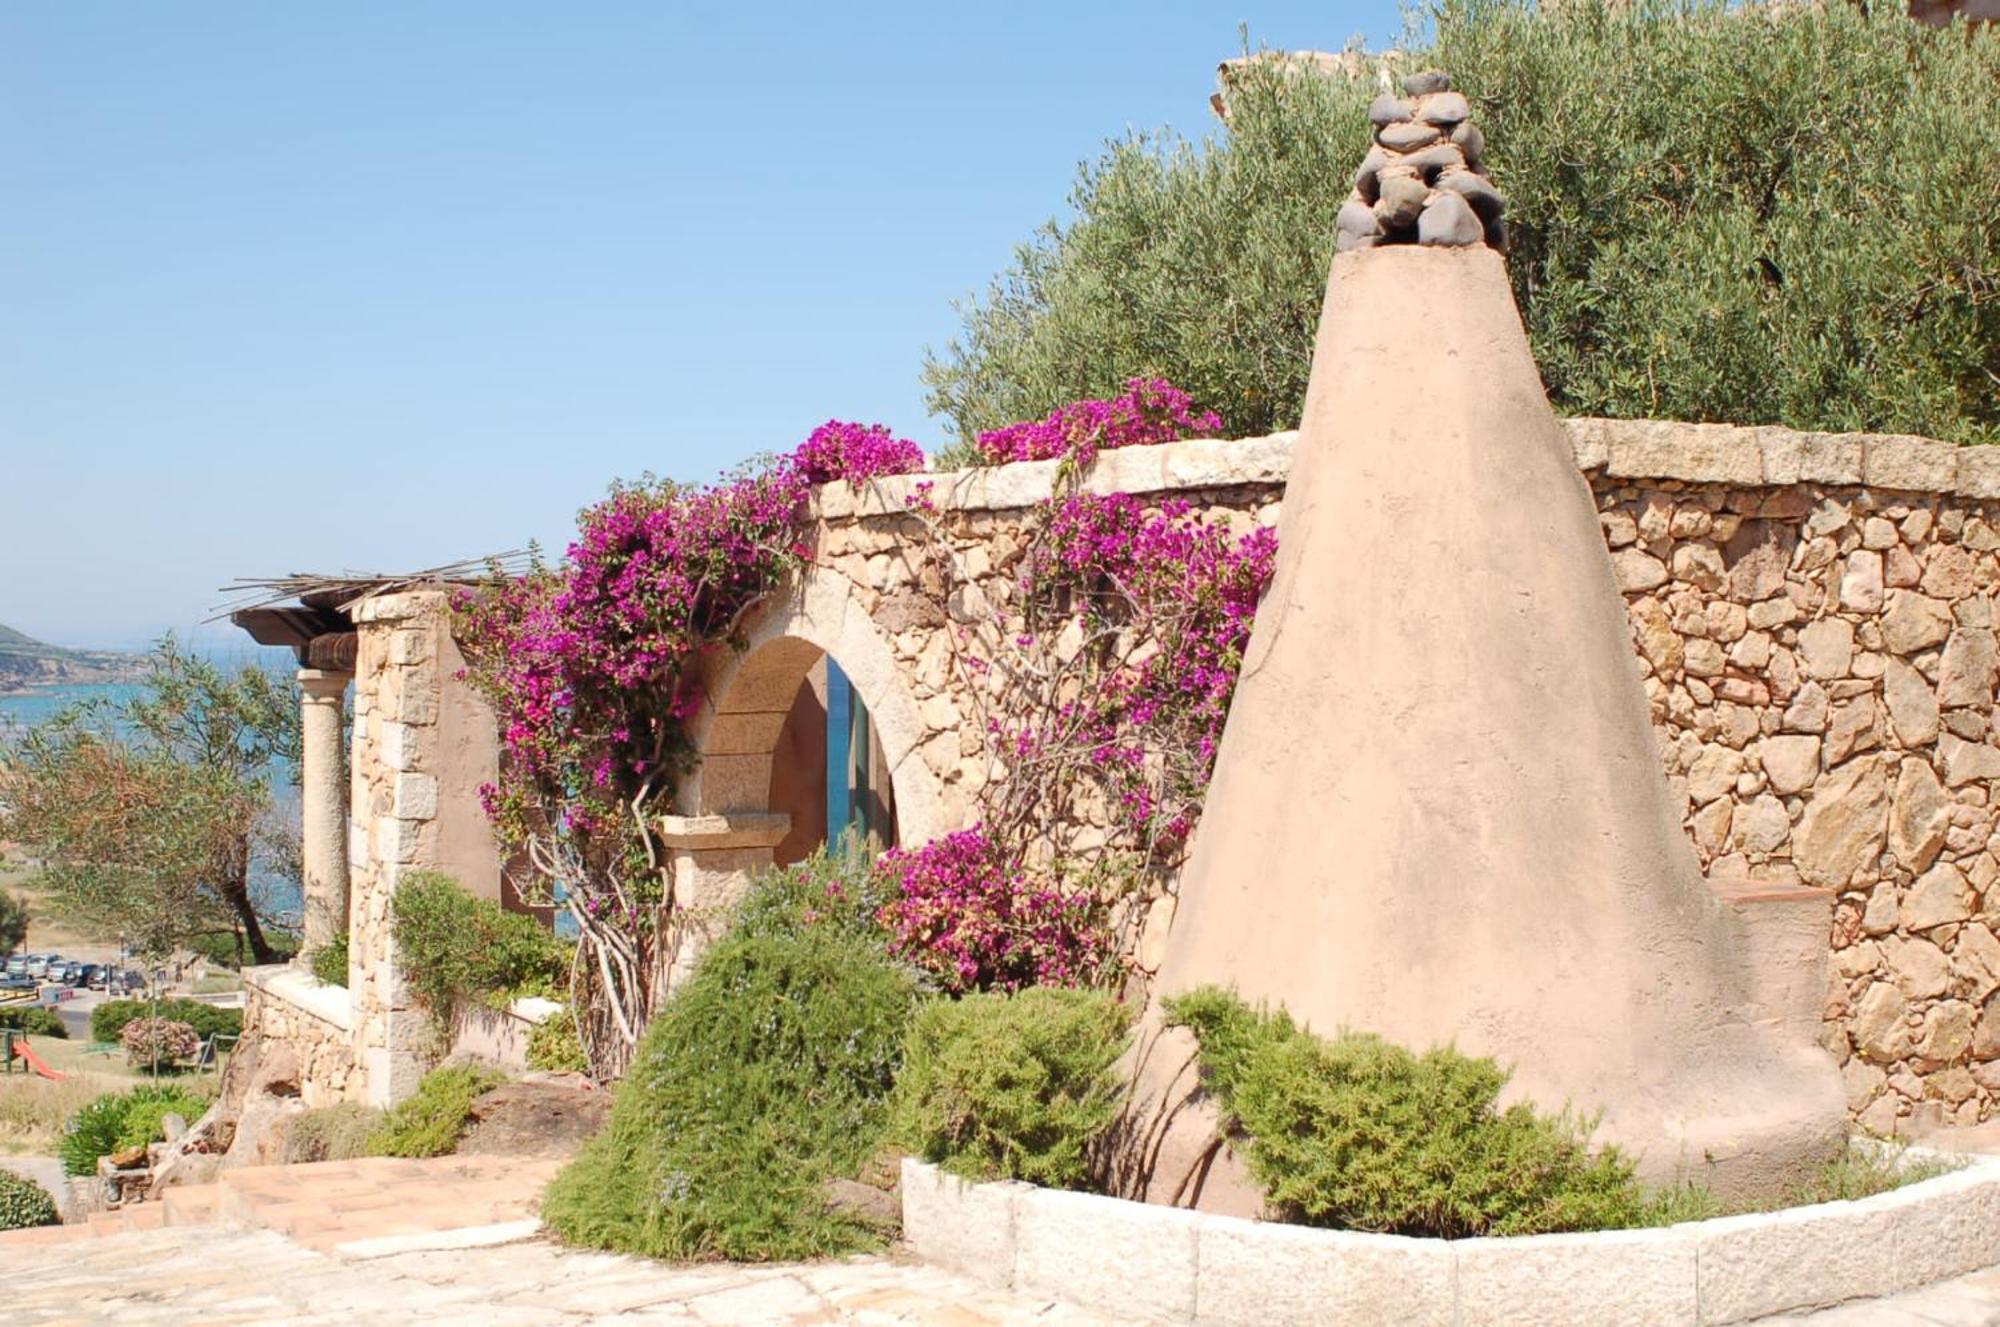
1423,182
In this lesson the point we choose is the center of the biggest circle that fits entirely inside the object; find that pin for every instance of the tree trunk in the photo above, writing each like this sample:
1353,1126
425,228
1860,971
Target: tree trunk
236,893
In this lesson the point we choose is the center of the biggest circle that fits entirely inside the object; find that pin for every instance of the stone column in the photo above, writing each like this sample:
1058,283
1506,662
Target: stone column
713,858
323,798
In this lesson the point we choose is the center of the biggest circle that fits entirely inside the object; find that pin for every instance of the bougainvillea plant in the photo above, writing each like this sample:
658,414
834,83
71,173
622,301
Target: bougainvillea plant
978,919
1150,410
855,452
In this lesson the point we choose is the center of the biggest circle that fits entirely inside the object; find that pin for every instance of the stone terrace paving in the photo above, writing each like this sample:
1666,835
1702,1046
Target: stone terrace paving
452,1241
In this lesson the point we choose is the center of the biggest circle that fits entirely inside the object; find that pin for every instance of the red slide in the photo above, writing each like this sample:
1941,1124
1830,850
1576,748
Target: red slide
34,1062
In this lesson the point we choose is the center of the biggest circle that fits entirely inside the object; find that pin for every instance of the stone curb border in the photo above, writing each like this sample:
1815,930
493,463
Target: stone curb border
1744,455
1177,1266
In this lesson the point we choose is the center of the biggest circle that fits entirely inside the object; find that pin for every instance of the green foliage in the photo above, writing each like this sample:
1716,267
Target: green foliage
13,922
147,1107
160,1043
151,815
1360,1134
1859,1171
108,1020
123,1119
34,1020
227,949
458,950
766,1074
1012,1086
430,1123
556,1046
330,963
1719,213
835,887
332,1133
24,1203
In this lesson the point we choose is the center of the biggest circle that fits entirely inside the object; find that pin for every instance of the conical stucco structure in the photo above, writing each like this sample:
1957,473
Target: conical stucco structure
1438,812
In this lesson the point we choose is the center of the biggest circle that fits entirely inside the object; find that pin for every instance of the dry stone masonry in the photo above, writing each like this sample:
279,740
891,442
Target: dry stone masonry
1423,182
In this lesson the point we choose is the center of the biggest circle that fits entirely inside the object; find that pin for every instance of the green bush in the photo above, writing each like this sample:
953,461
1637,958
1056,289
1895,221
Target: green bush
556,1045
767,1073
837,886
34,1020
457,950
123,1119
108,1020
330,963
1360,1134
332,1133
1719,212
430,1123
1015,1087
24,1203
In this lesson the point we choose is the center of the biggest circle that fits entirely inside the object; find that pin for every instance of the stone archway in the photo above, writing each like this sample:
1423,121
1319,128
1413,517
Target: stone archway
727,826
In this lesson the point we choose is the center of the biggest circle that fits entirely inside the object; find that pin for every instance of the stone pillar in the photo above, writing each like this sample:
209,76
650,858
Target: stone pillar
323,798
714,857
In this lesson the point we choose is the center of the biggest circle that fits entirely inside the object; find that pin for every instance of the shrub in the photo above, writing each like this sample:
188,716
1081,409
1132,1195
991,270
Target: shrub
108,1020
24,1203
147,1109
1364,1135
1858,1171
332,1133
158,1041
430,1123
330,963
456,949
855,452
767,1073
1719,212
837,887
1014,1087
35,1021
556,1046
102,1128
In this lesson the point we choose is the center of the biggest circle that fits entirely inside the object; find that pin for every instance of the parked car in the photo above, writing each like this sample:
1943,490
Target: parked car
93,976
132,981
17,967
41,965
71,974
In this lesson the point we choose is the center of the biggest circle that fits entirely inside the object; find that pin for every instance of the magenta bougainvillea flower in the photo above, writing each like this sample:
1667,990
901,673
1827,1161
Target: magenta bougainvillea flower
1151,410
855,452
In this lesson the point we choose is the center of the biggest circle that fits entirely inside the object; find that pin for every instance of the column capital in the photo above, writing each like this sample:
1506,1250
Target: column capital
324,683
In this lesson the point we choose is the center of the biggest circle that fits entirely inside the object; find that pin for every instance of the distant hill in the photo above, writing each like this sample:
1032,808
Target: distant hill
26,663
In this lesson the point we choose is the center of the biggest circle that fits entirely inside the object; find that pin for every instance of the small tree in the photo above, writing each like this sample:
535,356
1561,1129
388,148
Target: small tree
151,814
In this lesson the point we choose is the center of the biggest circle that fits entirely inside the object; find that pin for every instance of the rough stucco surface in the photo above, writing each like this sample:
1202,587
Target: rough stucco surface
1438,812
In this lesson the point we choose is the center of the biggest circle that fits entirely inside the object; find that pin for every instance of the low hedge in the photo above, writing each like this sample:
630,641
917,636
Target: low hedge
33,1020
430,1123
108,1020
1012,1087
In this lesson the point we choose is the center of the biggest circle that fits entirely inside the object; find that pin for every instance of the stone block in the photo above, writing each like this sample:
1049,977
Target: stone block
1144,469
1979,472
1667,449
1784,454
1830,458
399,745
1128,1258
1610,1277
1918,465
966,1227
1587,442
416,796
409,647
1255,1273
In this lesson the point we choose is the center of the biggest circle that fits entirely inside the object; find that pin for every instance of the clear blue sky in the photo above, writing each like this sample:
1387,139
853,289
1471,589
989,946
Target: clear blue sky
310,287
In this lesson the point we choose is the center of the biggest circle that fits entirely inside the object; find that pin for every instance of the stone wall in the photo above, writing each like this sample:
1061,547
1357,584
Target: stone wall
286,1005
1812,615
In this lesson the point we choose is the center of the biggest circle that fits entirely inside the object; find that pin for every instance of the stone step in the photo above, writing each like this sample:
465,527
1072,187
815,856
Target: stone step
191,1204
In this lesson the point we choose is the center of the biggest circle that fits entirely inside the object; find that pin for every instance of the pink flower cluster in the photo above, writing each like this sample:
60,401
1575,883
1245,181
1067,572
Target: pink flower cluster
855,452
1150,410
982,923
589,665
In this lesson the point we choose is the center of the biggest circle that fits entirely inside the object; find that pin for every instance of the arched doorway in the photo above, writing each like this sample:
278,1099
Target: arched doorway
807,732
